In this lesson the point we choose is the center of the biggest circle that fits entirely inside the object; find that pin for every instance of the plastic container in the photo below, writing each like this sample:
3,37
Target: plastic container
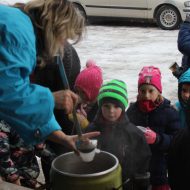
89,156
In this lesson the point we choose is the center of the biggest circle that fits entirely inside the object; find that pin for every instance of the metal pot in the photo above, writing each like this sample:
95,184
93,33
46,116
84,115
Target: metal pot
70,173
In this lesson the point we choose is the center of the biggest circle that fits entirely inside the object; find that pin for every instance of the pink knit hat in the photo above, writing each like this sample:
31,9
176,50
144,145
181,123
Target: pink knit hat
150,75
90,80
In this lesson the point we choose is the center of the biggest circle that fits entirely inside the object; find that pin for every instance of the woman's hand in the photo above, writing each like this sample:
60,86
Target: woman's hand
65,99
70,140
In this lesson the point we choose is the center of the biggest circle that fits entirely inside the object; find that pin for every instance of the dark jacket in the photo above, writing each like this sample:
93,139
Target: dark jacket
179,160
128,144
179,154
184,44
49,77
164,120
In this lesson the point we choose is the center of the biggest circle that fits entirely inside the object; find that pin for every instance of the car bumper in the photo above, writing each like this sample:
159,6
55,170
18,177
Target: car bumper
185,11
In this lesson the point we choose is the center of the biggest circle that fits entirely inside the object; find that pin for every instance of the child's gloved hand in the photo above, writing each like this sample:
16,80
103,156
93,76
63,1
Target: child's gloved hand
81,118
150,136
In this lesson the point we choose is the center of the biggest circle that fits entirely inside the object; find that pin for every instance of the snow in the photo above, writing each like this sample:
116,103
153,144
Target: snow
122,51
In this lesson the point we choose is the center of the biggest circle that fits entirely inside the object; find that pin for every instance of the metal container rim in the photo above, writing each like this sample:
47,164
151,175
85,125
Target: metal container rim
87,175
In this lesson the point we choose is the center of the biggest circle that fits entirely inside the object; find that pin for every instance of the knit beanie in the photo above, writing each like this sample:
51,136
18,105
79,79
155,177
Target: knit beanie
90,80
150,75
114,91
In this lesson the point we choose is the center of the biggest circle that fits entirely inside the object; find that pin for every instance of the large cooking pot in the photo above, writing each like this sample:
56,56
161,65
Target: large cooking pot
70,173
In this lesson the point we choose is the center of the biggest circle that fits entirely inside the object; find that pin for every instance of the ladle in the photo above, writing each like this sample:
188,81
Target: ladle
81,144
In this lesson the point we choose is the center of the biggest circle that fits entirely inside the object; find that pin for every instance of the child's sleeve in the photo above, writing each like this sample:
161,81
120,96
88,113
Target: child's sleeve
171,129
7,167
142,176
44,153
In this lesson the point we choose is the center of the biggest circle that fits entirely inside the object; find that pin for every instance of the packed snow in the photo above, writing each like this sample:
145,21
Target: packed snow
122,51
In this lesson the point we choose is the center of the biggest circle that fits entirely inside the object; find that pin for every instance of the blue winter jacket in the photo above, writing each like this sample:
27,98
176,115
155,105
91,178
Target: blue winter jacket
27,107
184,78
181,114
184,44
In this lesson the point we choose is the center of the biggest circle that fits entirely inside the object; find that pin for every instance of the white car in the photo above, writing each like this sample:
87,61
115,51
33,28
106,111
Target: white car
11,2
168,14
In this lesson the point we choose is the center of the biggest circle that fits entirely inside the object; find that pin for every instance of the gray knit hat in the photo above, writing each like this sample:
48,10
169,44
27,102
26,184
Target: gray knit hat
116,90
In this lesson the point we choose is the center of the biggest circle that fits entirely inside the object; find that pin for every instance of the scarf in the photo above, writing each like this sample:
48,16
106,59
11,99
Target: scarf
147,106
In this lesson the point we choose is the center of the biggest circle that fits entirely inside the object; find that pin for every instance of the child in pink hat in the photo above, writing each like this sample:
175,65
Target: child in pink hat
87,86
89,81
158,120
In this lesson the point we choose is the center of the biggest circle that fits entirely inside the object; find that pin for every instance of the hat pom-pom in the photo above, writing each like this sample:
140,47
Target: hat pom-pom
90,63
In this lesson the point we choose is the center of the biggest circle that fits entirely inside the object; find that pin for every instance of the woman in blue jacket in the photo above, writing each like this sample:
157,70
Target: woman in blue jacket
38,29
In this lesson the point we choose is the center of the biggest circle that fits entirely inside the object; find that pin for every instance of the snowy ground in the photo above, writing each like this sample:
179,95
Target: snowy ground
122,51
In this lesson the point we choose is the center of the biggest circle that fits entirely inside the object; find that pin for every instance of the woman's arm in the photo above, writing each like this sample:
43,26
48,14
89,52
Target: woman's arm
69,140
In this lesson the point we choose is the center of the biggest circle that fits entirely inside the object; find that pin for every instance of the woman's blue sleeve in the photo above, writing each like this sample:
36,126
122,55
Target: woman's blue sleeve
26,107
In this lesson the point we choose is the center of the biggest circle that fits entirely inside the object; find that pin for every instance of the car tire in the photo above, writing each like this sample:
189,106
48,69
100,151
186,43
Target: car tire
168,17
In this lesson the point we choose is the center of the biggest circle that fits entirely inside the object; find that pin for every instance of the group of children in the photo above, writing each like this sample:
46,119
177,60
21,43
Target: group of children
142,155
150,137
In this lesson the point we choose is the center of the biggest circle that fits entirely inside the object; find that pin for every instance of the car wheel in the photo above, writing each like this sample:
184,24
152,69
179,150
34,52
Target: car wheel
168,17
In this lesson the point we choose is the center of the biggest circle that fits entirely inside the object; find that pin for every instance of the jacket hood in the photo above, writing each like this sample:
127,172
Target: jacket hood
185,77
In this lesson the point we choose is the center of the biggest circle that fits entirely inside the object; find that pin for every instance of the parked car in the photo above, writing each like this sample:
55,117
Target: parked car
168,14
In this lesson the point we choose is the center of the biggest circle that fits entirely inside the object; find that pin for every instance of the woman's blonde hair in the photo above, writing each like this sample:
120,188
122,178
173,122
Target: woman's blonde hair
56,21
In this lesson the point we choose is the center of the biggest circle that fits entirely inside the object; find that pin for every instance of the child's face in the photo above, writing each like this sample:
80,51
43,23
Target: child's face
148,92
82,95
111,112
185,92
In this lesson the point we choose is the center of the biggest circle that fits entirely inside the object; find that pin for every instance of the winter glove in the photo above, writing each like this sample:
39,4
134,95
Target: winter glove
150,136
82,120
